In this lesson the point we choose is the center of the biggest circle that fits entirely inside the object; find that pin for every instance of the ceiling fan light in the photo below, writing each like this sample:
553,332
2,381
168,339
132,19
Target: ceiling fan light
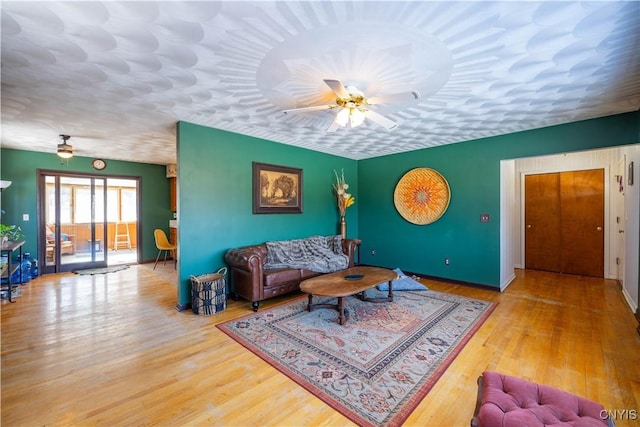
342,118
357,117
65,150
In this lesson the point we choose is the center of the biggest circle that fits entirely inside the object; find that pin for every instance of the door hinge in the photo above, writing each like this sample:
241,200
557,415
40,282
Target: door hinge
617,261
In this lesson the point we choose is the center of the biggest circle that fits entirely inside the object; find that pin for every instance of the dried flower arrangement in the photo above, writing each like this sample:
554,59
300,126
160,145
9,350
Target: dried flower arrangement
344,198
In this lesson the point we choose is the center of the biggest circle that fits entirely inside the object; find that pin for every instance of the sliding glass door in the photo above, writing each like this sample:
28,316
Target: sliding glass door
72,222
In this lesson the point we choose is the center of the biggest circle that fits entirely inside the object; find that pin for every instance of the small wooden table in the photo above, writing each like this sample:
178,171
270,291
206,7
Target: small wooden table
339,285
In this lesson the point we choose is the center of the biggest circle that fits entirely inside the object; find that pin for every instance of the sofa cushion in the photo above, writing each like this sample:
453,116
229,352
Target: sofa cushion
280,275
307,274
510,401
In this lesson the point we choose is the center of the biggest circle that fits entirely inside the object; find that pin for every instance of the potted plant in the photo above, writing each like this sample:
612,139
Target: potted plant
10,233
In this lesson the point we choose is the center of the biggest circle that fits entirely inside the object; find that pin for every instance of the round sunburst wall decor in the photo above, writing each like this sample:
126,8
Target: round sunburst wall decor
422,196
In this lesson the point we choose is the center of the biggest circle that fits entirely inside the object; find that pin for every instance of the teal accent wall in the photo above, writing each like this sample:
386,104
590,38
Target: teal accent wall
215,210
473,171
20,167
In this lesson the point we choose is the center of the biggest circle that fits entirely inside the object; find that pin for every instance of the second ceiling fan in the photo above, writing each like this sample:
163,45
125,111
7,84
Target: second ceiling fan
354,107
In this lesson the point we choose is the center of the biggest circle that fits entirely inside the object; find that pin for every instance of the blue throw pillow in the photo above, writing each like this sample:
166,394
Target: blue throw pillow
403,283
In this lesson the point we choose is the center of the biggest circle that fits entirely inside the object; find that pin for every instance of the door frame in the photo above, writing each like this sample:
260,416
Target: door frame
619,212
41,217
607,210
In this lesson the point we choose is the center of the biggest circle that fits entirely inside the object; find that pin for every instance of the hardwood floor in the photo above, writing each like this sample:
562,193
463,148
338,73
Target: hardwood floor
112,350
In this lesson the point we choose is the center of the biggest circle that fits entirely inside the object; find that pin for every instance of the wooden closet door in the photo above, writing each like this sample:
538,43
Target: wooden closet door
542,222
582,225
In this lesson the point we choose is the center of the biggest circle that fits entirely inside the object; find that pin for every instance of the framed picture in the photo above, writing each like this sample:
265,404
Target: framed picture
276,189
630,174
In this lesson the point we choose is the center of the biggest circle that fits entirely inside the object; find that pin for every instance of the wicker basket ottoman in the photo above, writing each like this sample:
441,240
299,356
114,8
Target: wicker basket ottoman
208,293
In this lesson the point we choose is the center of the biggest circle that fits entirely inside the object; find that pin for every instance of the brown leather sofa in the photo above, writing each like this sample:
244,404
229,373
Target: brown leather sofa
251,281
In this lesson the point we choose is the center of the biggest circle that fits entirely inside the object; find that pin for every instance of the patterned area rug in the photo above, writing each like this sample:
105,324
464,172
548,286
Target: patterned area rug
105,270
378,366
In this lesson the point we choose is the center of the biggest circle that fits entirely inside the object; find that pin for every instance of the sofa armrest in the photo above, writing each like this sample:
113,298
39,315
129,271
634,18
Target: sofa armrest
349,247
244,259
245,265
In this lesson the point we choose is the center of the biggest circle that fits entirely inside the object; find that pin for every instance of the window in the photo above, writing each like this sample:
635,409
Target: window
128,205
65,203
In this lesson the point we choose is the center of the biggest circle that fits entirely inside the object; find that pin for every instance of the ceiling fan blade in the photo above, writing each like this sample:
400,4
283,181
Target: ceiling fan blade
333,126
380,120
337,87
395,98
312,108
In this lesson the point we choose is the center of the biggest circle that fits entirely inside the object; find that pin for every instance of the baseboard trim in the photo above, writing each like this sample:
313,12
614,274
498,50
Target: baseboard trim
507,282
183,307
443,279
638,319
153,260
453,281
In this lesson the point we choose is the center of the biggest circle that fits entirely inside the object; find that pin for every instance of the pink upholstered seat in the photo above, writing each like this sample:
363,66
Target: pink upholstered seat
509,401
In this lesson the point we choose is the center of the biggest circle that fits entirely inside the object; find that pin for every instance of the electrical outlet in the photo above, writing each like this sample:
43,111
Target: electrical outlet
447,261
373,252
25,217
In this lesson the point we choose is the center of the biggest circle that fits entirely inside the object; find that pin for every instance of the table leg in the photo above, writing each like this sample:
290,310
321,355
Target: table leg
388,298
310,305
341,316
9,287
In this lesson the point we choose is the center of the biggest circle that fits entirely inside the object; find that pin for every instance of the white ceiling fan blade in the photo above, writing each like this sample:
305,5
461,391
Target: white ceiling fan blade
380,119
395,98
333,126
305,109
337,87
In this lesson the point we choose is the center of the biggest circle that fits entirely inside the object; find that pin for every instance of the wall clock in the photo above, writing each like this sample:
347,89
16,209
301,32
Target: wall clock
422,196
99,164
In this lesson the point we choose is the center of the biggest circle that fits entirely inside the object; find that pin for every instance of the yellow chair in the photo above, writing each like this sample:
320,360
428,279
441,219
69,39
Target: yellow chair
162,243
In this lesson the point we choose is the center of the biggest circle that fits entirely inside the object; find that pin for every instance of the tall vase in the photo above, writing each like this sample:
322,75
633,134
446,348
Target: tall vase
343,227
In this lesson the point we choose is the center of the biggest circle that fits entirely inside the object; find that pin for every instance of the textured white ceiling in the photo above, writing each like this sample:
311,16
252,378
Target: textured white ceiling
117,76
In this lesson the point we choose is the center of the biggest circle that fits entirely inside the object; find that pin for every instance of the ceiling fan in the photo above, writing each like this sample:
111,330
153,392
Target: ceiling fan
65,150
354,107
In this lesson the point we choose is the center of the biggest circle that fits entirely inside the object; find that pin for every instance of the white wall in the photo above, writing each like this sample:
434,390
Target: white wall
508,224
631,287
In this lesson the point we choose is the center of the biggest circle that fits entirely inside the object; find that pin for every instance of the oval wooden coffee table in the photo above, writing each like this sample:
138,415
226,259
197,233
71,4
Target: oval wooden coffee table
344,283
